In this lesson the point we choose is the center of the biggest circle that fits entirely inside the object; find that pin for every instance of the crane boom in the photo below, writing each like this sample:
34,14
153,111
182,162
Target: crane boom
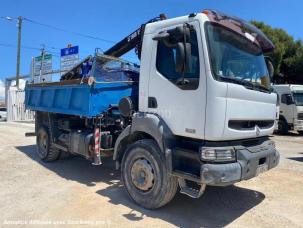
133,40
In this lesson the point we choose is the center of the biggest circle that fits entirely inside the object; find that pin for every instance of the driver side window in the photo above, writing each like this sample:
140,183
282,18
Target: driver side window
286,99
166,63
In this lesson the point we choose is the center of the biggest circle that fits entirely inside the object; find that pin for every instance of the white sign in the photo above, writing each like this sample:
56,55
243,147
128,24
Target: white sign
69,58
42,67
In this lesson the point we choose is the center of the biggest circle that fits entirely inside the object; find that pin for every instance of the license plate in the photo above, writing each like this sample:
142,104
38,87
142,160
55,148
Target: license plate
261,169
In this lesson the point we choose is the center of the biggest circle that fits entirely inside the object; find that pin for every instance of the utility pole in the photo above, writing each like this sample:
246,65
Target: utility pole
41,66
18,51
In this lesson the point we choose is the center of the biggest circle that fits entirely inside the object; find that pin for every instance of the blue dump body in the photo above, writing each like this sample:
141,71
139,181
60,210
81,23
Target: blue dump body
113,80
77,99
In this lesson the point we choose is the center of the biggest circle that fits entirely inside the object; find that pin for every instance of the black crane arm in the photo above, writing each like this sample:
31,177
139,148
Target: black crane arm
134,40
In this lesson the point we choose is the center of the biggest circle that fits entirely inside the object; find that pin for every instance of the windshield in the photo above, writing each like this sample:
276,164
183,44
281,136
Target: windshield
298,97
235,58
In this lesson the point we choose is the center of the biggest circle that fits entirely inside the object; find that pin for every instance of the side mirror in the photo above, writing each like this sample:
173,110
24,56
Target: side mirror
289,100
183,57
270,67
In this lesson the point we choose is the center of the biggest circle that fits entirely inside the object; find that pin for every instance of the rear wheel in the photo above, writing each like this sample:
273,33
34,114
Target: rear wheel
145,175
45,150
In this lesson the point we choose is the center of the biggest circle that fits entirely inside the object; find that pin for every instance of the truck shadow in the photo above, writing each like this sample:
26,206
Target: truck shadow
218,207
290,133
77,168
299,159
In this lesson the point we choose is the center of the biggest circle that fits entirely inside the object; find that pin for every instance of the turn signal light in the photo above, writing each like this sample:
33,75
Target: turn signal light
217,154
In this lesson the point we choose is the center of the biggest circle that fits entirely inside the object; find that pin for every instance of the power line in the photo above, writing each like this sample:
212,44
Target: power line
29,48
12,45
48,48
67,31
59,29
59,49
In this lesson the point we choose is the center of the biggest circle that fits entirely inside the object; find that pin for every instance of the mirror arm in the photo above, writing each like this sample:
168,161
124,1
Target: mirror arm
161,36
185,53
168,44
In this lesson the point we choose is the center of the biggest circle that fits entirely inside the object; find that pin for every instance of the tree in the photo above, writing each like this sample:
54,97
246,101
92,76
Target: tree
288,55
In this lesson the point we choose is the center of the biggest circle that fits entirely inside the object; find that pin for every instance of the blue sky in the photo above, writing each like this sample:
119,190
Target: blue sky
113,19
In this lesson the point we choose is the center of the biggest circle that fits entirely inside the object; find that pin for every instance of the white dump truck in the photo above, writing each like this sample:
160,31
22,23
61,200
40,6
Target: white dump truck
291,108
199,111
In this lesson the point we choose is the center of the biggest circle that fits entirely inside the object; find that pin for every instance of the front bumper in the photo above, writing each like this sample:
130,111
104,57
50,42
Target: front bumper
298,125
276,125
250,162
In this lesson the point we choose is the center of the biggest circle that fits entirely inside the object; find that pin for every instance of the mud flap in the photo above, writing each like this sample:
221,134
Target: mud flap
97,156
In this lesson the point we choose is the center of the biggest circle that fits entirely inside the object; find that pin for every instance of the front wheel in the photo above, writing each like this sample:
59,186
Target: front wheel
145,175
282,127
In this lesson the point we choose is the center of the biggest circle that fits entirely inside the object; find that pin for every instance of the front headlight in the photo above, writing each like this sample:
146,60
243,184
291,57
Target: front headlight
218,154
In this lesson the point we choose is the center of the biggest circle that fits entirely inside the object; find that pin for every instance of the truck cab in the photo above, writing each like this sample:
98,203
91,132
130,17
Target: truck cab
201,114
225,94
291,108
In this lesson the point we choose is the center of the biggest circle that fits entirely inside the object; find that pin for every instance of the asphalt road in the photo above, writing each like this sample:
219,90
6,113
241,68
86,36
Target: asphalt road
72,192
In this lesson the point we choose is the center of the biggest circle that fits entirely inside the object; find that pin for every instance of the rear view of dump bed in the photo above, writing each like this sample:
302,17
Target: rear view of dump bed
111,82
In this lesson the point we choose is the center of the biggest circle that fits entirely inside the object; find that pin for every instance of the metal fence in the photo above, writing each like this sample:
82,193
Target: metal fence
14,99
16,108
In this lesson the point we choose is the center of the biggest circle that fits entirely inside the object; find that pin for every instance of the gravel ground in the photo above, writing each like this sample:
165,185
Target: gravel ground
72,192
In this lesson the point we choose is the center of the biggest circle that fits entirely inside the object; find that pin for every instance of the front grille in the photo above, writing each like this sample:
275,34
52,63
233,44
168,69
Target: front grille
253,142
250,124
300,116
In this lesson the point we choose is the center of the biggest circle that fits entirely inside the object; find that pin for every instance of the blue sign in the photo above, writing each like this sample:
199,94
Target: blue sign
70,51
69,58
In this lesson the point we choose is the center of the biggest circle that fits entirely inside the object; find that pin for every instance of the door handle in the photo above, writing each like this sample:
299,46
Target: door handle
152,102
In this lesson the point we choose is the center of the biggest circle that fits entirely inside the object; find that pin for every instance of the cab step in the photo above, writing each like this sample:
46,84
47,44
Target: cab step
190,188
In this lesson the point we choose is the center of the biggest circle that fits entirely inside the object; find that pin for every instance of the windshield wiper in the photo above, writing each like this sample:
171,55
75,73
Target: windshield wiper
242,81
247,84
262,88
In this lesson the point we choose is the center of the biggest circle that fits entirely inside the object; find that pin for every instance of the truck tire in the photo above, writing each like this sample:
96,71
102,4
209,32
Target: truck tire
145,176
45,150
282,127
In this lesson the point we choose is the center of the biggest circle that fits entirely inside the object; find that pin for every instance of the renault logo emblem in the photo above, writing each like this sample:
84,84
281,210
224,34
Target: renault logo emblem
258,131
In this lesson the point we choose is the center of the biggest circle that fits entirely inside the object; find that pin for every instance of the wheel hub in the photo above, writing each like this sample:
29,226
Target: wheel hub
142,174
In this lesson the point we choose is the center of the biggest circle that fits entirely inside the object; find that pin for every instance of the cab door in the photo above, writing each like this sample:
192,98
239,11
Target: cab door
287,107
180,104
